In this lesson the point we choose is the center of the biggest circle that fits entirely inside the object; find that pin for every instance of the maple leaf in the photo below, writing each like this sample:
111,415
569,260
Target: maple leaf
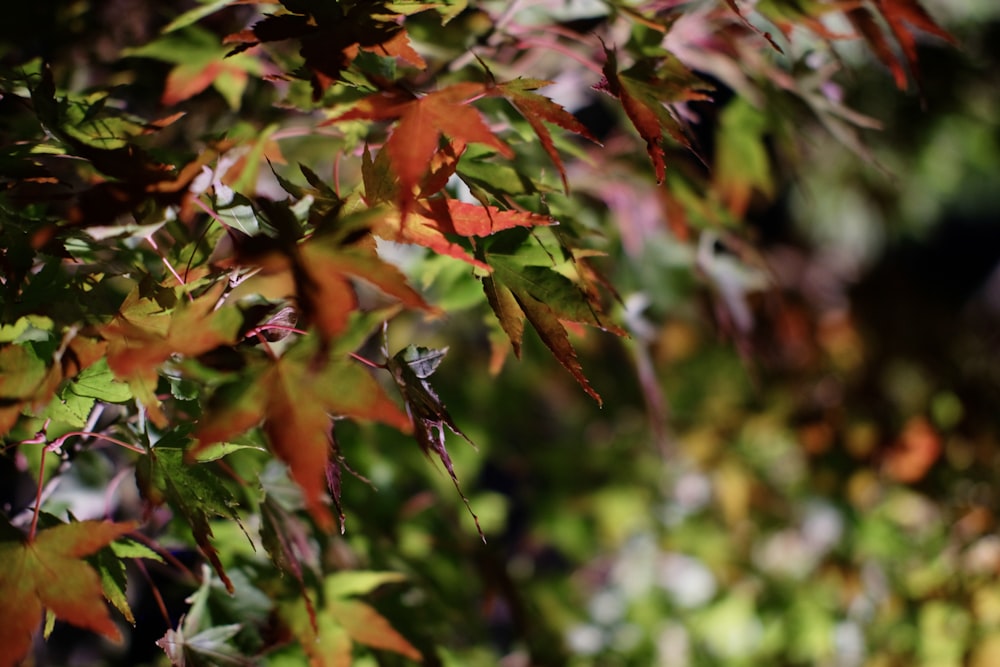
380,184
343,620
198,63
411,367
644,90
286,540
538,110
144,335
321,271
295,397
330,35
136,177
434,220
420,124
192,645
545,297
191,489
899,15
47,573
26,381
110,565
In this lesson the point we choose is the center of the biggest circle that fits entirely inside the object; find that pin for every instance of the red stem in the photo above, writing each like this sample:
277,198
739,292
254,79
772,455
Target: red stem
58,442
367,362
156,592
167,556
266,345
38,496
267,327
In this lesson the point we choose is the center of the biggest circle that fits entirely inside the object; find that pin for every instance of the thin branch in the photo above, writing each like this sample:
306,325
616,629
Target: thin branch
164,553
112,487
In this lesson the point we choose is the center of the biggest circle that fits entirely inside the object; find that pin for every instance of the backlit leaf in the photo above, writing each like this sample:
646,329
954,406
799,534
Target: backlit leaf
192,490
295,397
420,124
644,89
538,110
342,621
545,298
28,587
144,335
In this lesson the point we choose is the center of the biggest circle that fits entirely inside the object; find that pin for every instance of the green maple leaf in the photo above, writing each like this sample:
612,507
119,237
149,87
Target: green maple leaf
545,297
194,645
191,489
48,573
26,381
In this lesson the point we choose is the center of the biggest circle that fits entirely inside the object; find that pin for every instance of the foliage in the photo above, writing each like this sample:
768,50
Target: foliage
240,239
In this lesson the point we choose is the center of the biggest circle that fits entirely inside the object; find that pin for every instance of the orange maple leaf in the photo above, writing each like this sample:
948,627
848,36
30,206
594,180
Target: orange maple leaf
48,573
295,397
420,123
143,336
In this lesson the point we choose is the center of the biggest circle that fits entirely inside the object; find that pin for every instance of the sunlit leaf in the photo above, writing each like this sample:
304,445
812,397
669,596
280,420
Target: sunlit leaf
28,586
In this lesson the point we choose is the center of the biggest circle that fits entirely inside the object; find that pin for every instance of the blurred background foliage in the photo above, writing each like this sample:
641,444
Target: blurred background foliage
797,455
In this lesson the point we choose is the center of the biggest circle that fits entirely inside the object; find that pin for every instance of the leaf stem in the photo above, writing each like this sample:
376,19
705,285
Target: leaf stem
58,442
38,497
156,591
256,331
167,556
212,214
368,362
336,173
166,262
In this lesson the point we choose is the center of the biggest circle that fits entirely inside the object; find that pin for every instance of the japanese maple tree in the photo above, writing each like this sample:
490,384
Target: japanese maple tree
230,233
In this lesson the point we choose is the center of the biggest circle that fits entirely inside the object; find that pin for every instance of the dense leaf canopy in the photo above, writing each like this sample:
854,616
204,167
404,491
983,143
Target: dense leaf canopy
261,261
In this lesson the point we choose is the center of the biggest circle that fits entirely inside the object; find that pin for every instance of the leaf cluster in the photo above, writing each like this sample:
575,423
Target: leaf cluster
205,236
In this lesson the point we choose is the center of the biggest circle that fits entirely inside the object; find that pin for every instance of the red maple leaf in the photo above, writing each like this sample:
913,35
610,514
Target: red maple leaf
433,220
644,91
900,16
538,110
